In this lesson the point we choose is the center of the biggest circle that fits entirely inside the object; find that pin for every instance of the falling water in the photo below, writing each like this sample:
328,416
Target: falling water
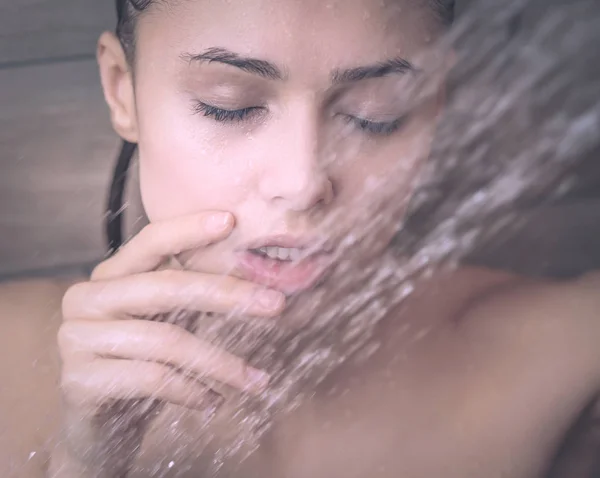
521,124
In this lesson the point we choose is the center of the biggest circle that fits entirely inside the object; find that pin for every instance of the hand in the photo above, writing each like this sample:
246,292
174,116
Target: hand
114,362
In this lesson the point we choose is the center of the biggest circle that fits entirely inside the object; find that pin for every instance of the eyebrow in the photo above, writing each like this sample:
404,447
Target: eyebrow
255,66
385,68
270,71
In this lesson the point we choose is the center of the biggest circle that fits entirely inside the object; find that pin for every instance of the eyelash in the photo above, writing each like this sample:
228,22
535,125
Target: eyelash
224,116
229,116
374,127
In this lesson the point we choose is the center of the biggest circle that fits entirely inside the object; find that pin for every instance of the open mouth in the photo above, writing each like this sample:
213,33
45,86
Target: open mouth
284,254
288,269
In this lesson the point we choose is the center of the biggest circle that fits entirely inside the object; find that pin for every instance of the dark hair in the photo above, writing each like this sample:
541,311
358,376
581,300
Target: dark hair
444,10
127,12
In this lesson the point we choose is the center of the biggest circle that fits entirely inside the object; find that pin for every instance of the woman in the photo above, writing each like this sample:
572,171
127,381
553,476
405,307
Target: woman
269,132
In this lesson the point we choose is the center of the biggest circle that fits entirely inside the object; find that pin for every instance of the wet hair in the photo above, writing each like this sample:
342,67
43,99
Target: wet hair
444,9
127,13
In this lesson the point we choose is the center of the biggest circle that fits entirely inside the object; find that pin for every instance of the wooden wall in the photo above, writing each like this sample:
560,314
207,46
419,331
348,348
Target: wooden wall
56,144
39,30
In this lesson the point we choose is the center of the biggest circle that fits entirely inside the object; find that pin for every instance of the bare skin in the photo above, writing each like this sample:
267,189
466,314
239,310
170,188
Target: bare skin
491,390
505,370
299,143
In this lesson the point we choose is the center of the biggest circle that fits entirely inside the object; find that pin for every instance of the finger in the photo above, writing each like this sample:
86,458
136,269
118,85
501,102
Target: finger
92,384
163,343
163,292
161,240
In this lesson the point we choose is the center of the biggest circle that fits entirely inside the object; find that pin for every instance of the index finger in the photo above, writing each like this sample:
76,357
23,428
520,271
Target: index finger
159,241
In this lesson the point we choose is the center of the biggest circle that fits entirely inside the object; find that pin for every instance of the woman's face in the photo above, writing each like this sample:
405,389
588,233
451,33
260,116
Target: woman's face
288,114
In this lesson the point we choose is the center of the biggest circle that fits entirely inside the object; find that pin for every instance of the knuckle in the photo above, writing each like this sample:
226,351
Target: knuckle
150,237
70,378
65,335
217,362
233,366
171,286
217,365
237,293
73,383
226,289
68,338
241,288
72,300
171,336
99,271
167,276
154,377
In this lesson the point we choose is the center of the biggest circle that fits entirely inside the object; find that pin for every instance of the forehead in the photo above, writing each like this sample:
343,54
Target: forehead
288,32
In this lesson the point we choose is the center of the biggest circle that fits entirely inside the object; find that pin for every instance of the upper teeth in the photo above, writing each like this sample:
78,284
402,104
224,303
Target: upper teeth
281,253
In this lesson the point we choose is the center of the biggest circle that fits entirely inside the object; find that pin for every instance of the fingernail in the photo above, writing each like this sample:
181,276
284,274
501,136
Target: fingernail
258,380
219,221
271,300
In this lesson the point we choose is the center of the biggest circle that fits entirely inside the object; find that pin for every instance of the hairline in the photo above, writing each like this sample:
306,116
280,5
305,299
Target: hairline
129,11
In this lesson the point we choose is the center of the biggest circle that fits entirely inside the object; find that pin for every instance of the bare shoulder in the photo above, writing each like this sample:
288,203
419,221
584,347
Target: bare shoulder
569,304
29,372
555,322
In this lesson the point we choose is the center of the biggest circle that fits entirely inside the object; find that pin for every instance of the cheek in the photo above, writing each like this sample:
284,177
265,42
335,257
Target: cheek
386,167
186,165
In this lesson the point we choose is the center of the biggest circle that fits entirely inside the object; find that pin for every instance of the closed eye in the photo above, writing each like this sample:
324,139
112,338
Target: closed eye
382,128
222,115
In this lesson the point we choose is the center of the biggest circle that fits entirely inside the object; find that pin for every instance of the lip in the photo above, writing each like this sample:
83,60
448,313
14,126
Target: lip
313,245
287,277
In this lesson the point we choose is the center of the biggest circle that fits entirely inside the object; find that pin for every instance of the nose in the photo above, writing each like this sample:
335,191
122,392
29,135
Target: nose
294,176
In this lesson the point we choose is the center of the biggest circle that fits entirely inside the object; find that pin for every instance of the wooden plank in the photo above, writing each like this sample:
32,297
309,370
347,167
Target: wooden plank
41,29
56,158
